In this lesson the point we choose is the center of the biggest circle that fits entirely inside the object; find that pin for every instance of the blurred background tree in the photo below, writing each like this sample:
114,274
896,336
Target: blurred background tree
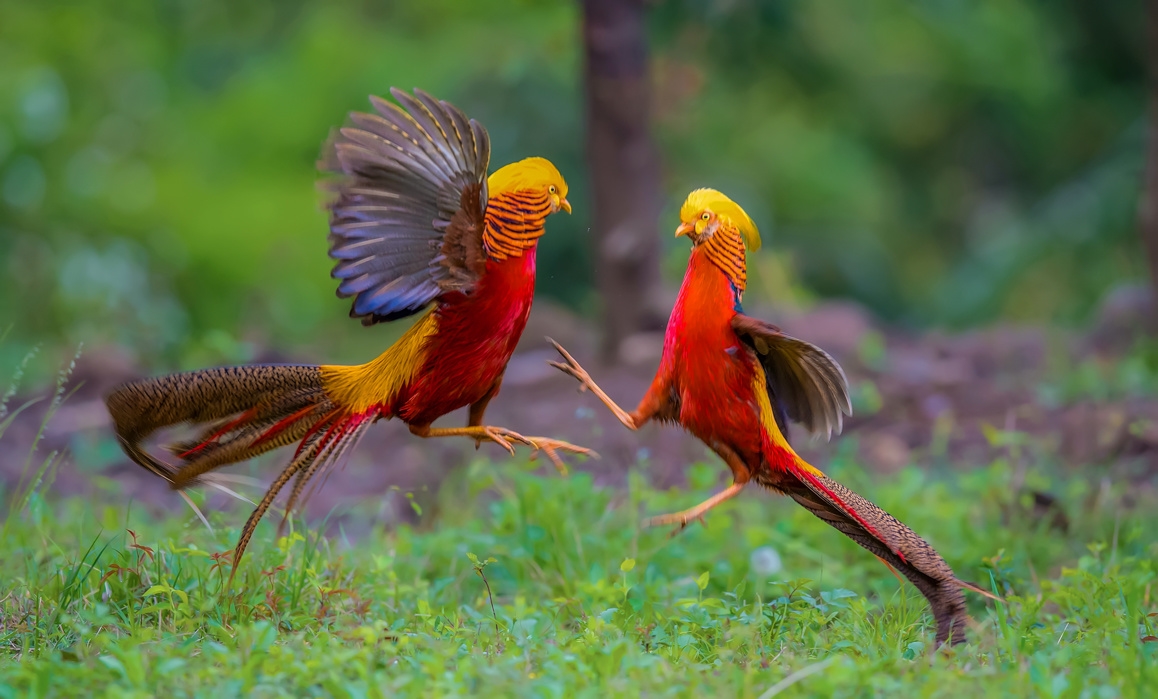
624,169
1148,209
945,162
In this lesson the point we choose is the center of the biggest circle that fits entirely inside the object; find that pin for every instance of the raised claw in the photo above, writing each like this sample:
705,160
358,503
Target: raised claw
570,367
574,372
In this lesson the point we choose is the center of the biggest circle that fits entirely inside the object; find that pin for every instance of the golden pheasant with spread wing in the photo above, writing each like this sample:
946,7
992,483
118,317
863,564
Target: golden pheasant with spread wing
416,225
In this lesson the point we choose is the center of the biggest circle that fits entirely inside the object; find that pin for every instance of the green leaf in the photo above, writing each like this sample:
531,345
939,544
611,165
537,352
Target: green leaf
628,564
414,504
285,543
114,663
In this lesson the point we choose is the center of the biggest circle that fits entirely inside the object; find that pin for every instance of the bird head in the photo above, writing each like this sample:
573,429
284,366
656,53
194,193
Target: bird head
535,174
707,211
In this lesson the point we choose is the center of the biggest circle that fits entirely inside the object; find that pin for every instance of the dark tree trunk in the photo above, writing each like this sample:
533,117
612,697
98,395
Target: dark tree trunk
624,168
1148,215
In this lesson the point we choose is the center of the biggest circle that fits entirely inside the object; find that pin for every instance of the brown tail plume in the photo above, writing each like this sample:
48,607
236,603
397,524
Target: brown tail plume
241,412
239,407
891,541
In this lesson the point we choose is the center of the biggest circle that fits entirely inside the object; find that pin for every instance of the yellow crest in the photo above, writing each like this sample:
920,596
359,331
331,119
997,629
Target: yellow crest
529,173
718,203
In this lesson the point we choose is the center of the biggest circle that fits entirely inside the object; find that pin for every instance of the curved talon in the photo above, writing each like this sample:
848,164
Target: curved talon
550,446
575,372
586,383
684,517
514,436
504,438
499,436
571,367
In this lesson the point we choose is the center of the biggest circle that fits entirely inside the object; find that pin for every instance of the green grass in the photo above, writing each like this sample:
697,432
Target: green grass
515,583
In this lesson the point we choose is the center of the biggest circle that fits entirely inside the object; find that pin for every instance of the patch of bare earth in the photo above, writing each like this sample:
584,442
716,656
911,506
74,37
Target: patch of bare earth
937,393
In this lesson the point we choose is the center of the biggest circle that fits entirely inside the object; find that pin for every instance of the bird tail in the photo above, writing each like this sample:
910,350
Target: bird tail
888,539
240,412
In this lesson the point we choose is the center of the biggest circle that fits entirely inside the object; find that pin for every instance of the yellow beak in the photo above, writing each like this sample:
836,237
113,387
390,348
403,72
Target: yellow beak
685,229
565,205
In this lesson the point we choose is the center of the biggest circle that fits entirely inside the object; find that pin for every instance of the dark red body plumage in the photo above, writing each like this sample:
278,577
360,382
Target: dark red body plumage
476,336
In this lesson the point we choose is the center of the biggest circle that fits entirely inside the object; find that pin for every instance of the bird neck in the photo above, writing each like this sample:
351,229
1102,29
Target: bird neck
514,222
725,249
706,303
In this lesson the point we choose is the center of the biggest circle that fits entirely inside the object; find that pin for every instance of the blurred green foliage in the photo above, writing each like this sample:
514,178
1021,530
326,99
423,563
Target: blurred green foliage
943,161
158,178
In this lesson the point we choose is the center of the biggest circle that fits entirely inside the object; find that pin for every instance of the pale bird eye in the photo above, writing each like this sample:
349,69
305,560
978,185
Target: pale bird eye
706,216
551,189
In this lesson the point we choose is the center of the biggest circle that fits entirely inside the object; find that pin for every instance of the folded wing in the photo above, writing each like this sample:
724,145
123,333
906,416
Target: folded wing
803,380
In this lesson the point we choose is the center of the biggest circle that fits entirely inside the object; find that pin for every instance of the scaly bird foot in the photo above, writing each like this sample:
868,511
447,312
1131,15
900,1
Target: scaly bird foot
572,368
551,447
502,437
682,519
697,513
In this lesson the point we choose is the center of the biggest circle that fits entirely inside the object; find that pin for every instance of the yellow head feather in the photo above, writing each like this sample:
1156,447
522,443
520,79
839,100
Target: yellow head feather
701,200
529,173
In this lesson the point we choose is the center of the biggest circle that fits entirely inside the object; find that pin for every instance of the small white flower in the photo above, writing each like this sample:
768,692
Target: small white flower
766,561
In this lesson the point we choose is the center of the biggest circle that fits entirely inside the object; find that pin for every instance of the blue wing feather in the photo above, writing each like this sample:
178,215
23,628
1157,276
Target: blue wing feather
410,178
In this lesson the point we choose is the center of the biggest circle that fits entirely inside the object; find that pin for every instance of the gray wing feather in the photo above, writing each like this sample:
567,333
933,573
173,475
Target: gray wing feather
805,383
404,172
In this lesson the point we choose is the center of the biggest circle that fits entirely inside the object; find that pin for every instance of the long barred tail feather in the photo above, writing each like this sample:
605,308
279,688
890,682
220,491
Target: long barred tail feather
263,506
241,412
889,540
351,435
239,407
318,455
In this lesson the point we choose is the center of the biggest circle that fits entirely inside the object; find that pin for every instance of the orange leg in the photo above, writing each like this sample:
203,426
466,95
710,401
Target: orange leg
504,437
479,407
572,368
741,476
697,512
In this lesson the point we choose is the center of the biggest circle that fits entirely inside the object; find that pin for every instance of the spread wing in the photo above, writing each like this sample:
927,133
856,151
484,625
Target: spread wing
803,380
406,220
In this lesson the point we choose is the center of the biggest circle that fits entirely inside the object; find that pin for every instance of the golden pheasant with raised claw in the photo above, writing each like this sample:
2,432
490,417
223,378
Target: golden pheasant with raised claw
734,381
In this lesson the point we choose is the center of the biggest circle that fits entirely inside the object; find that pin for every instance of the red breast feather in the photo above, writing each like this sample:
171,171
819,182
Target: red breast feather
476,337
712,370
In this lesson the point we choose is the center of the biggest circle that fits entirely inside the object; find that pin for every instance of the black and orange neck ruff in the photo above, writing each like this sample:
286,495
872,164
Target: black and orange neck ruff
725,248
514,222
